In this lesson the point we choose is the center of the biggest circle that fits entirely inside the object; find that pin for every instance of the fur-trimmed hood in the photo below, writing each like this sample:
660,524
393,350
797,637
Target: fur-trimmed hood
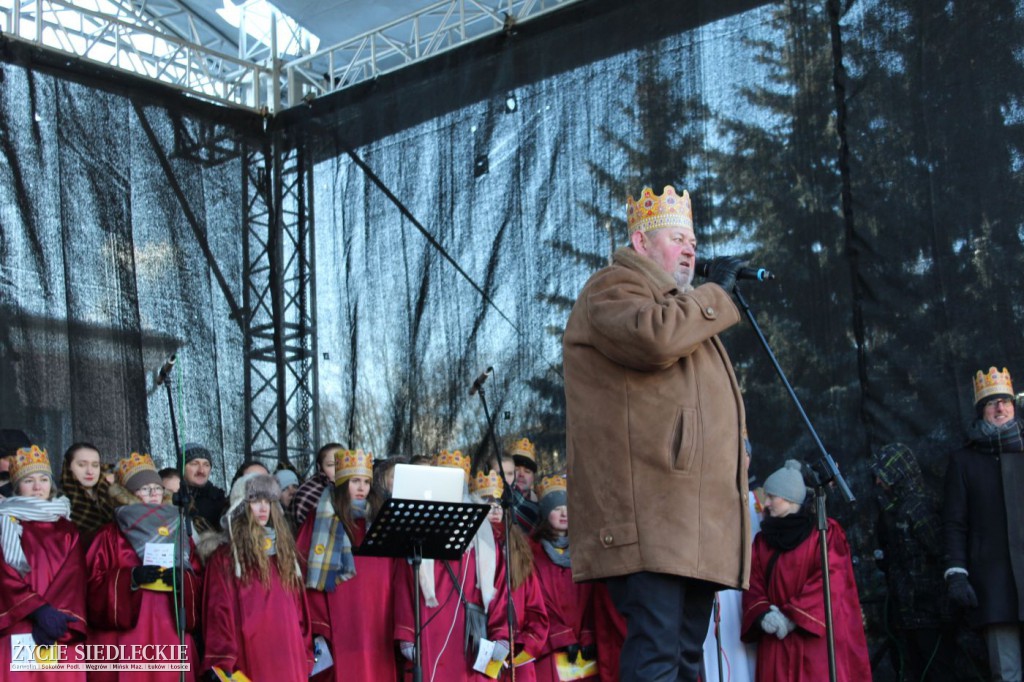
209,542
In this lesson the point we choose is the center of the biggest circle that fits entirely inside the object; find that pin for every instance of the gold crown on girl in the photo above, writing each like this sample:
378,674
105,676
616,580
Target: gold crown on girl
349,463
993,382
653,212
524,448
550,484
28,461
133,464
454,459
487,485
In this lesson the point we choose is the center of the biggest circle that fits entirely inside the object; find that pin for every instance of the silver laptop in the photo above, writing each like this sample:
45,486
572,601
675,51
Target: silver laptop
433,484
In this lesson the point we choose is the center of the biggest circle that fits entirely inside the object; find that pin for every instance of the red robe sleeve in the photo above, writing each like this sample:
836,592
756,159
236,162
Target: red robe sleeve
532,623
220,612
755,599
54,551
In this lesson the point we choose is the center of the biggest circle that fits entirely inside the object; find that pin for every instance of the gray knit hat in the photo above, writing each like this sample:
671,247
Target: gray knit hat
788,483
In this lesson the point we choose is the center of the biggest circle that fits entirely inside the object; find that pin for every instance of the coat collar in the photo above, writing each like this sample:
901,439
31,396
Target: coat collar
628,258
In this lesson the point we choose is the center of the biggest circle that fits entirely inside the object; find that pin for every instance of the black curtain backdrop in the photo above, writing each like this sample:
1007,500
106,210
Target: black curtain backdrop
460,206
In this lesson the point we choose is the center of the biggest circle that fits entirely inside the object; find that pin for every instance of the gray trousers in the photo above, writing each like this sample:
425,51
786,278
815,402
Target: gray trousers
1003,641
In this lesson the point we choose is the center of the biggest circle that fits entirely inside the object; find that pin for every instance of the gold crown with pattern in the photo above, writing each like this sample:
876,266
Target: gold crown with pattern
28,461
653,212
550,484
992,383
487,485
133,464
455,459
350,463
524,448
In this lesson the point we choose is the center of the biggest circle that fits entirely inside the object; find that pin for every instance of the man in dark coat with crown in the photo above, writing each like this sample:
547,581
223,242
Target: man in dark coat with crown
654,417
983,523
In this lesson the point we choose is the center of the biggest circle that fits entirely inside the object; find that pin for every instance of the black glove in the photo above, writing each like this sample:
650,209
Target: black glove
49,625
572,651
724,270
167,575
960,591
589,652
143,575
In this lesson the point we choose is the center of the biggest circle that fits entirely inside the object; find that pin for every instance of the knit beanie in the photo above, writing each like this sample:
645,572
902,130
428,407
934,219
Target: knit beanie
286,477
195,451
788,483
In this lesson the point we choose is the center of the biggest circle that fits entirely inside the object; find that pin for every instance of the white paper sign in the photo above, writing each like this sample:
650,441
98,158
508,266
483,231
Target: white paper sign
483,655
158,554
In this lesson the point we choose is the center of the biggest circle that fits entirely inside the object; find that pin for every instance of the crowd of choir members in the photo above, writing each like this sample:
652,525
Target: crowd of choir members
271,583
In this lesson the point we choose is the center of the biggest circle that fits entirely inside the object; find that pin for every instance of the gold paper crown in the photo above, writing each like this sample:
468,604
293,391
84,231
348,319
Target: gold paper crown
524,448
550,484
653,212
349,463
453,459
993,383
28,461
133,464
487,485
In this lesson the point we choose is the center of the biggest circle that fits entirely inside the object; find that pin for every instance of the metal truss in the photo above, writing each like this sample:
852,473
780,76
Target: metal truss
280,353
164,46
428,32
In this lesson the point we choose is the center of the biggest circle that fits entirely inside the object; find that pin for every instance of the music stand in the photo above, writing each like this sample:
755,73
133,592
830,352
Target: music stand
417,530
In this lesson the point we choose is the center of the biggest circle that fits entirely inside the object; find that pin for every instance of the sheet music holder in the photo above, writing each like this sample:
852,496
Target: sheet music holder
417,530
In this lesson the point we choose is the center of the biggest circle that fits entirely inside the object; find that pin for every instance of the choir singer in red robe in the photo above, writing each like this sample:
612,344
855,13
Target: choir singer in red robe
131,602
255,617
42,594
784,610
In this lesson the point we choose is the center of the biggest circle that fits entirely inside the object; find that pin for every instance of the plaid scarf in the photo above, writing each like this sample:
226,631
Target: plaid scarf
88,512
16,510
994,440
143,524
306,498
330,549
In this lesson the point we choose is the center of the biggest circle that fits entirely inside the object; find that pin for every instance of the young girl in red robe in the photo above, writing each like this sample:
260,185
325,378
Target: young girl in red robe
569,604
42,593
128,602
530,618
350,598
784,609
444,624
255,618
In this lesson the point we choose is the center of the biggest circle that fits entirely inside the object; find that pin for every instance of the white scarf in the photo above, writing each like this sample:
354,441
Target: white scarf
16,510
486,563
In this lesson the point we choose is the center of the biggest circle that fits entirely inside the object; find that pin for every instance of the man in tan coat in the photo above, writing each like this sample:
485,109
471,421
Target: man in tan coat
658,494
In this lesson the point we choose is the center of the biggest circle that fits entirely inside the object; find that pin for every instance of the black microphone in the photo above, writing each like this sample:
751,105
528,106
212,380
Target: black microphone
703,268
165,371
479,383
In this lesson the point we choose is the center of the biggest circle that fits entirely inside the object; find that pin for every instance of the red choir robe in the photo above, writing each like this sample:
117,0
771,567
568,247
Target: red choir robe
528,607
120,615
358,617
795,587
57,560
444,626
570,611
264,631
609,633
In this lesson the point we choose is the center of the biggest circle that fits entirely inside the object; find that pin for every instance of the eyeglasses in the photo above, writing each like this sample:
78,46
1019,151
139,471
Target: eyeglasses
151,490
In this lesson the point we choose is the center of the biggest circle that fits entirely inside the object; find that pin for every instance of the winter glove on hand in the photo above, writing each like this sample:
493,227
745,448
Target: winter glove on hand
772,621
787,626
500,652
143,575
49,625
960,591
589,652
572,651
408,650
724,270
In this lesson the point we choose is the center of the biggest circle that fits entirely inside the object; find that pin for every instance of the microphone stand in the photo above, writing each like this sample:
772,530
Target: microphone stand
831,476
506,520
183,499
